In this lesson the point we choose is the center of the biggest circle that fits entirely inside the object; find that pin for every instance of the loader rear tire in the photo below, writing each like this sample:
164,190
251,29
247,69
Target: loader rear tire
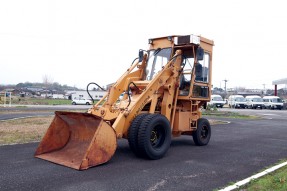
154,136
133,133
202,134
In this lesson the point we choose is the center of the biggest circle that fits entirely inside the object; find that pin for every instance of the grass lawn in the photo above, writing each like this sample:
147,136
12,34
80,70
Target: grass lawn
228,114
274,181
39,101
50,101
23,130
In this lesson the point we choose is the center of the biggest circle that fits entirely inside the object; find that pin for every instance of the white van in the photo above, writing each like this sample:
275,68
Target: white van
254,102
216,100
273,102
236,101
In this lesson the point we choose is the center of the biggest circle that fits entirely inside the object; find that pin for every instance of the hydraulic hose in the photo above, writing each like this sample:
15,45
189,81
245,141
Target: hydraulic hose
89,92
128,91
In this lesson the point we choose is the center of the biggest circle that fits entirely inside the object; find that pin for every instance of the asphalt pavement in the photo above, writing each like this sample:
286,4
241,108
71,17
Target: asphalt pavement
10,116
16,112
236,150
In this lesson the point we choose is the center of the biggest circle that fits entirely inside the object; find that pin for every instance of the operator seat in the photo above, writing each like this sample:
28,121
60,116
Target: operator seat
198,72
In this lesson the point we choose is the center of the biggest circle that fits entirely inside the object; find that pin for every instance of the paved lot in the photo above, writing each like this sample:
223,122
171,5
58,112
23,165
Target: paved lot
10,116
7,113
236,151
264,113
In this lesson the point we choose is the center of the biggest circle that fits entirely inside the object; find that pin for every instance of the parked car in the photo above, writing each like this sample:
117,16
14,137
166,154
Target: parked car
236,101
216,100
81,101
273,102
254,102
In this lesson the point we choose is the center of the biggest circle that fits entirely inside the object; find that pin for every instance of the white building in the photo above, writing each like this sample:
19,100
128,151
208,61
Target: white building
97,95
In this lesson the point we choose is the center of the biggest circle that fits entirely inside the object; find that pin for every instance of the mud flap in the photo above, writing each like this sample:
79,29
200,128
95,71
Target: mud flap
77,140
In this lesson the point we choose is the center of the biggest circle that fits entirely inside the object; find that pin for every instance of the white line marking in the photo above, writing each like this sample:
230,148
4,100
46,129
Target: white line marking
256,176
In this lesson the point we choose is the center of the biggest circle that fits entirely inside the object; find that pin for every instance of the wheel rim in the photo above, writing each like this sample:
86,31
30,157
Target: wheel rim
204,132
157,137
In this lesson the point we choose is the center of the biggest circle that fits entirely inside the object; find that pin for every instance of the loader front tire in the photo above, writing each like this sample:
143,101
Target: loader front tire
133,133
202,134
154,136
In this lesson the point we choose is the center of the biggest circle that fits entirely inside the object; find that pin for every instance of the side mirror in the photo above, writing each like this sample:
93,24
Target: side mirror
141,55
199,53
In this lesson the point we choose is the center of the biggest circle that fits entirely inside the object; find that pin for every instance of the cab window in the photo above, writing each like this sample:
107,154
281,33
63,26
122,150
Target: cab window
157,60
185,77
202,69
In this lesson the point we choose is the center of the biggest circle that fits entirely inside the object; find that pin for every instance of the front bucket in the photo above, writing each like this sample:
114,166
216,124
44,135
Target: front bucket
77,140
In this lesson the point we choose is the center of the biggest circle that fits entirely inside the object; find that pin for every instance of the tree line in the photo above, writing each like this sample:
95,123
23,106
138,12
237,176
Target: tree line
48,86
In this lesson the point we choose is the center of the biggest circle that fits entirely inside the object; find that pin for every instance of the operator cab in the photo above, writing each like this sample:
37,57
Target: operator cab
195,62
197,68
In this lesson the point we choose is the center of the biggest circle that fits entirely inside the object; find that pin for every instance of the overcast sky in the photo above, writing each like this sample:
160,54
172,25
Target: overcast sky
77,42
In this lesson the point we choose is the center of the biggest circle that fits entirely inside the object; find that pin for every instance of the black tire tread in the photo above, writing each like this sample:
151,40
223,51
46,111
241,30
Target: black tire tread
142,137
196,136
142,134
133,133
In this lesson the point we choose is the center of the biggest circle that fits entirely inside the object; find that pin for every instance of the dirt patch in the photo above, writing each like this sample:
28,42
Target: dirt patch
217,122
23,130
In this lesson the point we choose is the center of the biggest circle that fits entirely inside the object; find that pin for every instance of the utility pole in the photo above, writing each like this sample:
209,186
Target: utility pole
225,81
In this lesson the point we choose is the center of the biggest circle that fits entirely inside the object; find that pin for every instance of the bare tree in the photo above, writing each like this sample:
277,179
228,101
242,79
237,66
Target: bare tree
47,81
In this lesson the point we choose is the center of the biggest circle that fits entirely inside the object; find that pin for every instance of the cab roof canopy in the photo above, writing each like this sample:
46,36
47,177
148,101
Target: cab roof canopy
178,40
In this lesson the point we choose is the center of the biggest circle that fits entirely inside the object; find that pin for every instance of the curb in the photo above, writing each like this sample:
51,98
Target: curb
254,177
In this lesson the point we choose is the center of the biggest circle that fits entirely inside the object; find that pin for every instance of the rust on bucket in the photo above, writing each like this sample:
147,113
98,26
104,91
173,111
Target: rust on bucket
77,140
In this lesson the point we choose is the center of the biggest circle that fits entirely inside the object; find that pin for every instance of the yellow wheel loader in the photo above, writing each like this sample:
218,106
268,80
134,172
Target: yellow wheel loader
159,96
